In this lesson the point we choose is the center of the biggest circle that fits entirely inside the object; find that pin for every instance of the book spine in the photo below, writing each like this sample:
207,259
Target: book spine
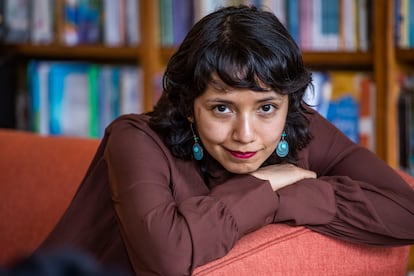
93,73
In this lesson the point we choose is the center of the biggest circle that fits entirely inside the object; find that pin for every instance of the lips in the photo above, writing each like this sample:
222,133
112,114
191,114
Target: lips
243,155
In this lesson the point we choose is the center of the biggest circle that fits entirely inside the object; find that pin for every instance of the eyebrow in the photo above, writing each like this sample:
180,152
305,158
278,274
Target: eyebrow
278,98
272,98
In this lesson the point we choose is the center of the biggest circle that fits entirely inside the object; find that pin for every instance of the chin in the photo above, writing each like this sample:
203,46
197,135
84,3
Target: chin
238,169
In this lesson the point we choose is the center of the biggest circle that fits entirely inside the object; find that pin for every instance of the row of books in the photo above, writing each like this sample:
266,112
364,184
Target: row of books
70,22
318,25
404,23
347,99
80,99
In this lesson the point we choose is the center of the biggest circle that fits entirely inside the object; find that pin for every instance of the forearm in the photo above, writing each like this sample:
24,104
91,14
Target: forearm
349,210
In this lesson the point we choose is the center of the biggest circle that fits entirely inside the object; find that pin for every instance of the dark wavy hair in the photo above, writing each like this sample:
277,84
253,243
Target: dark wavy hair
246,47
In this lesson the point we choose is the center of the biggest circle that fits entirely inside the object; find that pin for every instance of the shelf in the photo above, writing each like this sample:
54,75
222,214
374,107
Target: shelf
405,55
94,52
331,60
352,60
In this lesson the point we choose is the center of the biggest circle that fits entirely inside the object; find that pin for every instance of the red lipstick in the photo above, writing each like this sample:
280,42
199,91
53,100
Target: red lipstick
243,155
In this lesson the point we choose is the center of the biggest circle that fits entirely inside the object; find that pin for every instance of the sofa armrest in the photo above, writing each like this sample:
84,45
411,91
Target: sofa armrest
278,249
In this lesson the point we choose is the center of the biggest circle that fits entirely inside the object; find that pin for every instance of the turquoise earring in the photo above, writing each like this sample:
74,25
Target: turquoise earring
197,148
282,148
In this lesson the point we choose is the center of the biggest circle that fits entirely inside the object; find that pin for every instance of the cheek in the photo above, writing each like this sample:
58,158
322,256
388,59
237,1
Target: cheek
272,133
212,133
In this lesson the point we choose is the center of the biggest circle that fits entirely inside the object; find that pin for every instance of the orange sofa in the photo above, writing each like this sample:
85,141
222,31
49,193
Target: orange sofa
39,176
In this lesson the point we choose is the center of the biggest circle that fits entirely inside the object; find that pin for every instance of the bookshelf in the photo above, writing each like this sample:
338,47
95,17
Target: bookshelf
383,60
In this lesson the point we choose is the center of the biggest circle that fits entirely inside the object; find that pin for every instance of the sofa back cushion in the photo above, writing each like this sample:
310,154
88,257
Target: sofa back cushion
38,177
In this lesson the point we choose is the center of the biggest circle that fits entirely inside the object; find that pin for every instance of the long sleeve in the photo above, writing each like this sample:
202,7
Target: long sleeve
356,197
169,220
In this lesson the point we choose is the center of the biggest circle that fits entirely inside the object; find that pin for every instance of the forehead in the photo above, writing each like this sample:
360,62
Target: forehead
218,84
218,92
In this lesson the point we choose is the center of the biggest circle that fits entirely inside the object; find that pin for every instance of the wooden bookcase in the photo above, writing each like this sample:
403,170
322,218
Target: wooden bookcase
383,60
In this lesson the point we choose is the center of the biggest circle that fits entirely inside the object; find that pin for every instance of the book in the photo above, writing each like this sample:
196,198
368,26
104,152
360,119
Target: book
367,111
326,25
16,21
364,25
92,87
42,22
69,101
348,25
343,110
293,18
133,24
114,23
305,24
108,96
89,21
166,23
182,19
38,88
130,93
71,22
347,99
410,23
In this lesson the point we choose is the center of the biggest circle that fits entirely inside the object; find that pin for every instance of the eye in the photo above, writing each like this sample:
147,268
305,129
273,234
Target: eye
221,108
267,108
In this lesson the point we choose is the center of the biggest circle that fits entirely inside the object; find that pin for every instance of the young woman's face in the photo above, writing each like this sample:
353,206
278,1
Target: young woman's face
240,128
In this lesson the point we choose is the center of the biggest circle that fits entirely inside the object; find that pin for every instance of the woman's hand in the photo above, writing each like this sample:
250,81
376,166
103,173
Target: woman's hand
282,175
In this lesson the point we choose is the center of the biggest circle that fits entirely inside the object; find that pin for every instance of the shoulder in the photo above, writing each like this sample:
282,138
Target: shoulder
133,129
131,123
139,121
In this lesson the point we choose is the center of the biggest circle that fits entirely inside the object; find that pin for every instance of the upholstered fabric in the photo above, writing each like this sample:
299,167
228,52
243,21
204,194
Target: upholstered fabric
283,250
39,176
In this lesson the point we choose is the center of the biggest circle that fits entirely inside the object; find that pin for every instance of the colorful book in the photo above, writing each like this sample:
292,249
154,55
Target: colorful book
166,22
326,25
343,109
108,96
42,22
89,20
38,83
16,21
131,90
182,19
69,101
367,111
133,24
293,18
114,22
92,74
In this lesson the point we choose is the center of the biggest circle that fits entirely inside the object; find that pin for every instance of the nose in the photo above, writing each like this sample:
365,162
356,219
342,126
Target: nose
243,129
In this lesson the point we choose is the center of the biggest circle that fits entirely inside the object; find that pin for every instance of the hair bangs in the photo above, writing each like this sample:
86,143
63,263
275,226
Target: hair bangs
240,67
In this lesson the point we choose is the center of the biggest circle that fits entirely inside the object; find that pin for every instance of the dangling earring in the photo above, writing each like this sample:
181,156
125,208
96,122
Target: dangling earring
197,149
282,147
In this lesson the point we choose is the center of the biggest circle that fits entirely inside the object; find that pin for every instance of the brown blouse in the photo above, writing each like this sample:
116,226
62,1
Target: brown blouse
151,213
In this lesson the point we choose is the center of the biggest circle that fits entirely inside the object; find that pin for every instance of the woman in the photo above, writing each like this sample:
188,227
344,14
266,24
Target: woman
230,147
